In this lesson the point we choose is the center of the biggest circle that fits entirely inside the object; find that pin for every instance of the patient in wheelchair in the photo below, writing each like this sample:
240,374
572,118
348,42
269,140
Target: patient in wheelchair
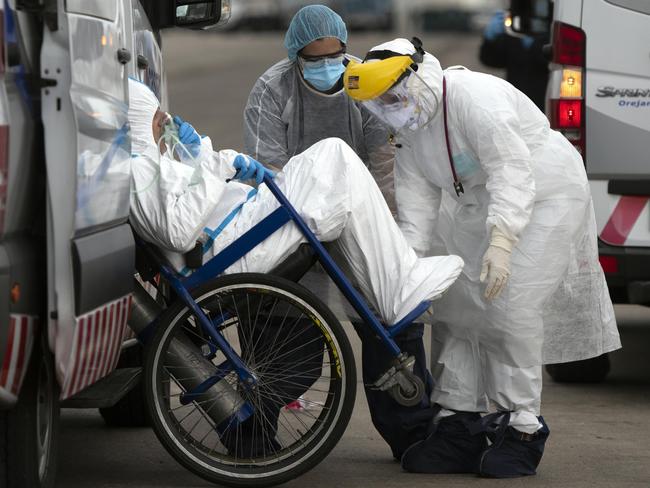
177,201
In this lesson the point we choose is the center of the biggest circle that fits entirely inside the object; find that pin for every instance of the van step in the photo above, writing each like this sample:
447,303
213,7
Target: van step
107,391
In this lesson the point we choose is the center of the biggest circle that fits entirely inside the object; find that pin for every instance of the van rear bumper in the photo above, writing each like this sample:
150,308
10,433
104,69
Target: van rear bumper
627,272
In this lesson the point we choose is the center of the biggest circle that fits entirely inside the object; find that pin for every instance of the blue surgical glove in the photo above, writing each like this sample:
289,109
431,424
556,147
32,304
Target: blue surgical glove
247,168
527,41
496,26
188,136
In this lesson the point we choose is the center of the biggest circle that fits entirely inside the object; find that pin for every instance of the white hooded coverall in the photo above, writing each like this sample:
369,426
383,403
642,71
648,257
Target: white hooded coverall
529,182
171,206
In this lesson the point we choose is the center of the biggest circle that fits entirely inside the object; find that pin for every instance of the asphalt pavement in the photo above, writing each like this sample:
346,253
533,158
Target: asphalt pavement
600,434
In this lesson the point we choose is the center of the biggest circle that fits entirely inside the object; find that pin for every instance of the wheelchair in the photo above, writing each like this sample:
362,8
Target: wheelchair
250,379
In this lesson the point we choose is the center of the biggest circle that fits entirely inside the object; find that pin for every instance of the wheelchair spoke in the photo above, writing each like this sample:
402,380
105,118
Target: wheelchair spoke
274,348
287,353
288,346
279,401
274,359
261,333
269,356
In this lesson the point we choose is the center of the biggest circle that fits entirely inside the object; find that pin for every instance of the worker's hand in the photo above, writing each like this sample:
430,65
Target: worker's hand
527,41
188,136
496,26
247,168
496,264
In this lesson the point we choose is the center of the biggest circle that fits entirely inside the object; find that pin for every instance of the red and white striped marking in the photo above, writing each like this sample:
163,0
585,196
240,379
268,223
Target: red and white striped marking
20,341
96,346
621,220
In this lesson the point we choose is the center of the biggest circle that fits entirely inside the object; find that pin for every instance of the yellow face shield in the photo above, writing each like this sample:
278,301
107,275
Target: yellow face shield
365,81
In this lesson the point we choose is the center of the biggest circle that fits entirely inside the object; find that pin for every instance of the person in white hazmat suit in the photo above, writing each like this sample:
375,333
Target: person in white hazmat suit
518,210
294,104
173,204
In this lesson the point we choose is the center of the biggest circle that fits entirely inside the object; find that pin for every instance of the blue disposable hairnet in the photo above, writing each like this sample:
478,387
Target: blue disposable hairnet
311,23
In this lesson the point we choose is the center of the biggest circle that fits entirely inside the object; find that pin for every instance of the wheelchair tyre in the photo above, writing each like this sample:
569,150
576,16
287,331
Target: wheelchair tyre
306,386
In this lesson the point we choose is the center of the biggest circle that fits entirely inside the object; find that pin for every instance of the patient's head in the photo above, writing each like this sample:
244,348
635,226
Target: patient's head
145,117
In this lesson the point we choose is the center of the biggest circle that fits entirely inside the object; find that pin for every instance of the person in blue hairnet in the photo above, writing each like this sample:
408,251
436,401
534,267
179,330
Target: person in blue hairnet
297,102
300,101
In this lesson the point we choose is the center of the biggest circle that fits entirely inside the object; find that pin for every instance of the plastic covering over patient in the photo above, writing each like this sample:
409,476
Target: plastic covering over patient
174,204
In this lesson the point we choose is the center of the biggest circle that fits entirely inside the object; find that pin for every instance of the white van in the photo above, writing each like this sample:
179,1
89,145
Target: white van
66,250
599,96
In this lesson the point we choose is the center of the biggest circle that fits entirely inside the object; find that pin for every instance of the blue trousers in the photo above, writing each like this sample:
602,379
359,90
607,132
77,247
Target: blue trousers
398,425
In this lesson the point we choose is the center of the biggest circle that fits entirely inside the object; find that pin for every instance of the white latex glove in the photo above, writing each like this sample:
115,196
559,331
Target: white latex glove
496,264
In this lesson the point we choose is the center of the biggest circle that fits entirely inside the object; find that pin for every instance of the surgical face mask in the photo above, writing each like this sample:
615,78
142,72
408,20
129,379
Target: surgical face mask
324,73
399,109
465,164
399,116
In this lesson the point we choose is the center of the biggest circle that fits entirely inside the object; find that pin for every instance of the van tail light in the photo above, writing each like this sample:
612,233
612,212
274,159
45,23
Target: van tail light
567,115
567,104
569,44
609,264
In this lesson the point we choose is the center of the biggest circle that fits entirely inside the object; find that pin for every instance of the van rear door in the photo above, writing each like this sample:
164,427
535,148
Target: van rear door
618,117
90,246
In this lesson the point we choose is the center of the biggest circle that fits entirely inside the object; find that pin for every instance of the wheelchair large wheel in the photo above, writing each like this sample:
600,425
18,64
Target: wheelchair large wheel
305,391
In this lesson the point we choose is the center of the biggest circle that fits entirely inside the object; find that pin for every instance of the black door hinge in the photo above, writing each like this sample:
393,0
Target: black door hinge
46,9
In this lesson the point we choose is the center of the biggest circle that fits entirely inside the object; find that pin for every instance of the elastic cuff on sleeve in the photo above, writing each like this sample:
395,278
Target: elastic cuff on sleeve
499,239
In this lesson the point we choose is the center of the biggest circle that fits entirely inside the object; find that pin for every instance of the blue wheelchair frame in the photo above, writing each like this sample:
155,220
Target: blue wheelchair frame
283,215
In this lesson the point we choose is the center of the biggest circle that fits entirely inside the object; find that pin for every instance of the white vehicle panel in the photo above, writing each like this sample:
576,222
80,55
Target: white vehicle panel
568,12
617,91
88,183
606,94
618,39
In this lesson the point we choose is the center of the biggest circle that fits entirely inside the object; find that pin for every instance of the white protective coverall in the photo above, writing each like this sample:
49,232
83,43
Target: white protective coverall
171,206
529,182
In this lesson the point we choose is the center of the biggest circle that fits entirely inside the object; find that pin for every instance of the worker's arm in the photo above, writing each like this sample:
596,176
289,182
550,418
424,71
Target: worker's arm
418,201
492,128
265,133
381,156
171,202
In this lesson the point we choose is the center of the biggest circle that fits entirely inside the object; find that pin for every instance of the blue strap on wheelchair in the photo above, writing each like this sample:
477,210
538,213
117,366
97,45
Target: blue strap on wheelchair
214,233
238,249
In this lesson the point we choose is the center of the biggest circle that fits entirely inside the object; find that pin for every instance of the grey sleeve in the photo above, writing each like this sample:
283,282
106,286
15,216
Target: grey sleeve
265,135
381,157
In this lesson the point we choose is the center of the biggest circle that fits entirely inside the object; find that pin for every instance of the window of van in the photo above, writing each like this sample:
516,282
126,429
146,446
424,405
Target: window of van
641,6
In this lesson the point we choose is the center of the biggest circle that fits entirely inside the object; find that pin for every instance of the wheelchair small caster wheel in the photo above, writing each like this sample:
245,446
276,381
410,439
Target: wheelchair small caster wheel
412,398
